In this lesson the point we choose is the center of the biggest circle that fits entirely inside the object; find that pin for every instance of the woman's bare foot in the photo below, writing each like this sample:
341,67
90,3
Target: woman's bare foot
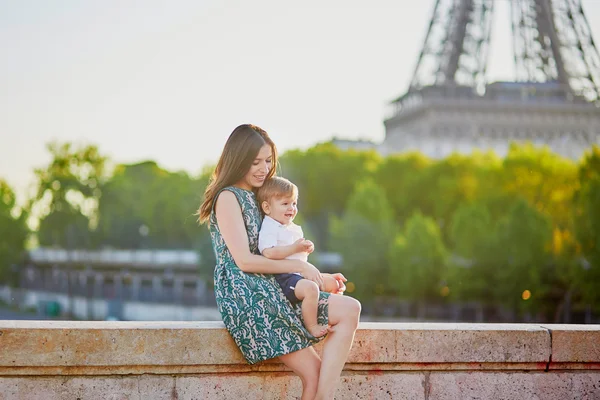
318,330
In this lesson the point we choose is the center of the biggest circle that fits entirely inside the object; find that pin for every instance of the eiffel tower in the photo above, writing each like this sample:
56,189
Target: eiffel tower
554,100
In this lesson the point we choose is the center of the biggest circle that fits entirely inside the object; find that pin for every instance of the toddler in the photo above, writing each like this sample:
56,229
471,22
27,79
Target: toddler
280,238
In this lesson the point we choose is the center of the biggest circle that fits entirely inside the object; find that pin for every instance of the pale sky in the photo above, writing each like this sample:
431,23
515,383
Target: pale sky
169,80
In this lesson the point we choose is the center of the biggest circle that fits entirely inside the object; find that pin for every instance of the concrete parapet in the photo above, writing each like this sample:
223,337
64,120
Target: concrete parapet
197,360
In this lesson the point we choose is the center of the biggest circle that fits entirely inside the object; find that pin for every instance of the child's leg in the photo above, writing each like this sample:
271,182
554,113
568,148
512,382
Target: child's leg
308,292
330,285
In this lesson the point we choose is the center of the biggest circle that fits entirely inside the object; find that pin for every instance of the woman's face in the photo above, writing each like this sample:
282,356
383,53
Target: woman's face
258,170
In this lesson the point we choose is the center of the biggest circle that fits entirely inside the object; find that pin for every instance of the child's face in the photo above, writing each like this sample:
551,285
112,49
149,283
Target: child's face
282,210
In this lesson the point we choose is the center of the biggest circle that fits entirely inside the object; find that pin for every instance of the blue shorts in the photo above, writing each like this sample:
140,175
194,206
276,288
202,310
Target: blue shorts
288,284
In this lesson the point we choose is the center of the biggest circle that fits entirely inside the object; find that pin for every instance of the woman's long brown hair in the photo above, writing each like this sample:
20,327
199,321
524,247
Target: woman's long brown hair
237,157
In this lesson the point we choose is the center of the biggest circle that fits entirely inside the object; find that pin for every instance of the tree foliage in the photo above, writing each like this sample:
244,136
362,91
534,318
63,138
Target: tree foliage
67,195
145,206
418,258
587,217
473,265
363,236
466,228
522,254
13,232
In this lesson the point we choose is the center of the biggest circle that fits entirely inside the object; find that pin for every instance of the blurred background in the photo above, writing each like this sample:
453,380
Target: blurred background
446,152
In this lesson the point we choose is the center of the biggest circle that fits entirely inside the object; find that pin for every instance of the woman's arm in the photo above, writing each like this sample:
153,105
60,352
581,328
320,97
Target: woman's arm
233,230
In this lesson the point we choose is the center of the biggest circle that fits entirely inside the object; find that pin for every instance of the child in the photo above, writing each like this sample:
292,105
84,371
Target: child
280,238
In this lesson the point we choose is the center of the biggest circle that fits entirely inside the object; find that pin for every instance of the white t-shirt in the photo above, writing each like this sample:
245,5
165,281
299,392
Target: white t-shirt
272,234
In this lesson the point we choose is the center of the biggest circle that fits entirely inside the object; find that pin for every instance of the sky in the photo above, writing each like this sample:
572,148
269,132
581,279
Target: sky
168,80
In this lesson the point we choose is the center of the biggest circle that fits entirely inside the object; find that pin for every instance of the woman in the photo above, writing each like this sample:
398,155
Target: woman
262,322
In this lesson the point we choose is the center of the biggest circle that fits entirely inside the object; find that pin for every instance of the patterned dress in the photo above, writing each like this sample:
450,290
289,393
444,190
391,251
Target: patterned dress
263,323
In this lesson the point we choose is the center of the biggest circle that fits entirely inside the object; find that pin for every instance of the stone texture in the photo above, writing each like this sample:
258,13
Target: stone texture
227,386
196,360
514,386
471,343
264,386
374,343
156,345
157,387
373,385
575,343
282,385
364,385
376,385
75,343
60,388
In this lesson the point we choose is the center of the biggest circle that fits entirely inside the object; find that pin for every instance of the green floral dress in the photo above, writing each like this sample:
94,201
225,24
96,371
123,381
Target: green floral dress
263,323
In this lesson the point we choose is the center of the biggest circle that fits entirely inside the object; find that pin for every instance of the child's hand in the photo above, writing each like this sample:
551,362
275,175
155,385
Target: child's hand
309,246
299,246
340,280
303,245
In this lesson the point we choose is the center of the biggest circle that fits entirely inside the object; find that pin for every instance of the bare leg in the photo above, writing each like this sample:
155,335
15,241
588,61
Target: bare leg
308,292
344,313
306,364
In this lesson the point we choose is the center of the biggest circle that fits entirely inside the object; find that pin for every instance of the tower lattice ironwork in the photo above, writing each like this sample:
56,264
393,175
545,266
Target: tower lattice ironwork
552,42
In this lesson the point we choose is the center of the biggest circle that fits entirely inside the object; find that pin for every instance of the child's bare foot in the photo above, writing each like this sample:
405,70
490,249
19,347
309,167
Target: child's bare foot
318,330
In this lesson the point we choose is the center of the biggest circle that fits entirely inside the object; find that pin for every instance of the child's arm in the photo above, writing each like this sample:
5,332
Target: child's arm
282,252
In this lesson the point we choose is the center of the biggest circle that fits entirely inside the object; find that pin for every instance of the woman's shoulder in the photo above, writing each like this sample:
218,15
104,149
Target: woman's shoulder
228,192
235,194
238,192
225,201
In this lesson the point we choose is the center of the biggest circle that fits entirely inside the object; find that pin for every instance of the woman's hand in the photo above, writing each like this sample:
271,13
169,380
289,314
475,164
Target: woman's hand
340,280
310,272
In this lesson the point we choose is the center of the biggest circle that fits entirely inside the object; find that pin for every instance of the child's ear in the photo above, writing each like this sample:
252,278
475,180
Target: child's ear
265,207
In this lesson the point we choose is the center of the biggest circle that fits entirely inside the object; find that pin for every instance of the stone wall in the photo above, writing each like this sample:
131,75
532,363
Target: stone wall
197,360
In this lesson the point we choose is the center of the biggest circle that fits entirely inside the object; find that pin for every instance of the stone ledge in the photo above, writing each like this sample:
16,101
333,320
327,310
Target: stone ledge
123,347
575,344
55,360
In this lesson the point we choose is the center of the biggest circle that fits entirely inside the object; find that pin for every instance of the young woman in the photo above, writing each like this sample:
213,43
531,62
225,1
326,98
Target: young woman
262,322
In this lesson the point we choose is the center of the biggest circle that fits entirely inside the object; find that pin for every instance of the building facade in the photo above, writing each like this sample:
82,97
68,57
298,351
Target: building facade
438,121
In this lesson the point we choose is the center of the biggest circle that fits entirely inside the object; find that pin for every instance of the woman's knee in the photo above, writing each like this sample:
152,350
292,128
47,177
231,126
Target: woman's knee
344,309
354,309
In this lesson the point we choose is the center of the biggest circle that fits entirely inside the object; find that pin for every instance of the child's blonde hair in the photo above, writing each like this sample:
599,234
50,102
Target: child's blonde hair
276,187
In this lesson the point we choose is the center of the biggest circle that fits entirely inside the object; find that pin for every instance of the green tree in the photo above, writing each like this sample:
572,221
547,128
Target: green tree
418,259
543,178
403,178
145,206
522,250
456,180
473,266
67,195
13,232
587,217
363,237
